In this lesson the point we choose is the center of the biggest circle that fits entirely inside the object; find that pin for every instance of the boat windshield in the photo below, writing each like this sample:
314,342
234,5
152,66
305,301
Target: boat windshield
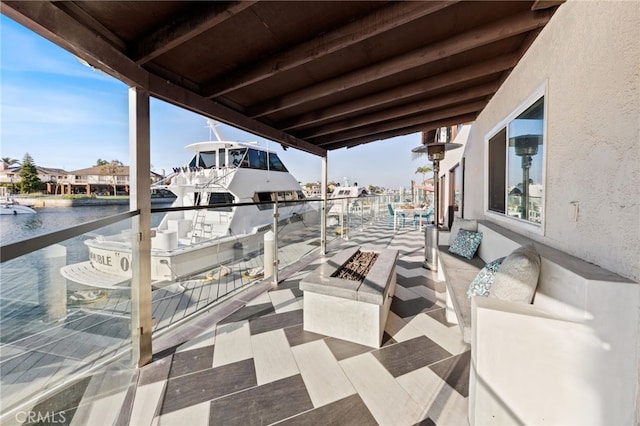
207,160
262,160
246,158
237,157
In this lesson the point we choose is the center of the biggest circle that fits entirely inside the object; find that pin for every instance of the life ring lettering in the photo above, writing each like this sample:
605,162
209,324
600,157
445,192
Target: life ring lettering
124,264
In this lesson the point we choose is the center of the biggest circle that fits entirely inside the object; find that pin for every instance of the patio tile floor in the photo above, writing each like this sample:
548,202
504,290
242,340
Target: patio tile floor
275,372
255,364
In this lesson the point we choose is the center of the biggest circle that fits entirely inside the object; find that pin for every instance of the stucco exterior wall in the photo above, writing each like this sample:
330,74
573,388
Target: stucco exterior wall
589,58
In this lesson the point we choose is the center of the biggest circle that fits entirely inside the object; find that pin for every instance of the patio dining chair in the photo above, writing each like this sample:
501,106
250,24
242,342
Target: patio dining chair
399,215
426,215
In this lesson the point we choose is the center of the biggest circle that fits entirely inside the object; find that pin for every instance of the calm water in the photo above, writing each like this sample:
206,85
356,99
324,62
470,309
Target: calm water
19,276
49,219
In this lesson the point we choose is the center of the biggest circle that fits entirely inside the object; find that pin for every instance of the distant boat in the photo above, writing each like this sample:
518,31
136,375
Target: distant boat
341,193
193,241
10,206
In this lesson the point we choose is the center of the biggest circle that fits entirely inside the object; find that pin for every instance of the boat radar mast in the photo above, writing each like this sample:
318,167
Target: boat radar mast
213,128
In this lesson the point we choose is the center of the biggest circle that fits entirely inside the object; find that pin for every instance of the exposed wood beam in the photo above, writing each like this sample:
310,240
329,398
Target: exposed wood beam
440,114
491,66
378,22
461,119
474,38
189,100
79,14
404,110
58,27
199,19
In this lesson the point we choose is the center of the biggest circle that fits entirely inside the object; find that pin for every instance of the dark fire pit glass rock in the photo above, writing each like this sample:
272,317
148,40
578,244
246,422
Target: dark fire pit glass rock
357,268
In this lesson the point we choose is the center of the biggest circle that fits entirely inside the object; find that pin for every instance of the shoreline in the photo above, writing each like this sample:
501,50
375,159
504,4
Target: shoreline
40,202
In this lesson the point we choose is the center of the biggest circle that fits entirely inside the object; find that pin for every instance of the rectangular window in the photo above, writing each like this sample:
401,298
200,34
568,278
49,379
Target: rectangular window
275,163
207,160
456,188
497,164
257,159
515,169
217,198
237,158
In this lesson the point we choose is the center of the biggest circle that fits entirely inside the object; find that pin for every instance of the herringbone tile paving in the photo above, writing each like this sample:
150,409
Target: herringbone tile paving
258,366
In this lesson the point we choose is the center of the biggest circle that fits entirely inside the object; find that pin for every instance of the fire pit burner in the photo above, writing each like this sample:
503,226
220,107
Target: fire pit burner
348,296
357,268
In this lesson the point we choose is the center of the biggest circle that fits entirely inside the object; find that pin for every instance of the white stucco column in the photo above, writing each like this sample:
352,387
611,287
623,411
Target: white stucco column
323,208
140,199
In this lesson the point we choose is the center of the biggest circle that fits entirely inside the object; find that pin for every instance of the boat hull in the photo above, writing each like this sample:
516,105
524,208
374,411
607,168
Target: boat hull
110,258
16,209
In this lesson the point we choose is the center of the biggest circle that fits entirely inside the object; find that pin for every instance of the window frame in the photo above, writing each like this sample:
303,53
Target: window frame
504,218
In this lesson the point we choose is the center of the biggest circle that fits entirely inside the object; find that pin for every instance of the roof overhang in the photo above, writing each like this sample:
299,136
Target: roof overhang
313,75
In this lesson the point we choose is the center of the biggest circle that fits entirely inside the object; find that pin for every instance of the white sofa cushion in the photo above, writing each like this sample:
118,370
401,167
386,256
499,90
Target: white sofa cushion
460,223
517,278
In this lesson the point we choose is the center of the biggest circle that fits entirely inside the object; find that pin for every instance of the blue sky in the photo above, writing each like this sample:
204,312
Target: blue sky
66,115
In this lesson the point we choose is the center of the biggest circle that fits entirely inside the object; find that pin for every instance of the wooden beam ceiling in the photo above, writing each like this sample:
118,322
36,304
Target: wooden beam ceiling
469,40
413,120
450,121
314,76
403,110
406,91
53,23
378,22
185,27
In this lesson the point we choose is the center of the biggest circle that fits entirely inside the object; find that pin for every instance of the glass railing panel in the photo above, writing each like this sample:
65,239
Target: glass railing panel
53,328
58,326
299,235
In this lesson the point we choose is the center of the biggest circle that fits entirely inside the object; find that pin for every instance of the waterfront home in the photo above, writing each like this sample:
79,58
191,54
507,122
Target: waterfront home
99,180
550,89
92,180
10,176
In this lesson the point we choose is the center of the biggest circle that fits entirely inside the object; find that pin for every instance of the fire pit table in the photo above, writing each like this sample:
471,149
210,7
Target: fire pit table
350,294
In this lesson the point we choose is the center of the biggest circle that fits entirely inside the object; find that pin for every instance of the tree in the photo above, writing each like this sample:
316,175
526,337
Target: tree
29,180
423,170
101,162
111,169
8,161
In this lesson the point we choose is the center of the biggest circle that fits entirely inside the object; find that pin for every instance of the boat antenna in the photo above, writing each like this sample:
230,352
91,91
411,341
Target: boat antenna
213,129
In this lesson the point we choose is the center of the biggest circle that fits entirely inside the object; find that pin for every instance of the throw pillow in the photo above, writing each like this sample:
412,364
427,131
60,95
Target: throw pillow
517,278
460,223
466,243
481,284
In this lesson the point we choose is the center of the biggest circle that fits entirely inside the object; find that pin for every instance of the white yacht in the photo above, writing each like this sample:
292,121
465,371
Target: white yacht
193,241
9,205
341,198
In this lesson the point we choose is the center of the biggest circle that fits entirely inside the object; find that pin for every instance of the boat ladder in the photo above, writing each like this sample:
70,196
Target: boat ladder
200,228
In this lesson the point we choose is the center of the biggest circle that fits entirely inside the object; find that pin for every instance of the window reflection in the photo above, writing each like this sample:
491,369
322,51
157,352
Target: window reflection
524,186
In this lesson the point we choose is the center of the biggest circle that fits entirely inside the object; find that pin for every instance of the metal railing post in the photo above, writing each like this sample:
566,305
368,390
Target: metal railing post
323,208
140,199
275,241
